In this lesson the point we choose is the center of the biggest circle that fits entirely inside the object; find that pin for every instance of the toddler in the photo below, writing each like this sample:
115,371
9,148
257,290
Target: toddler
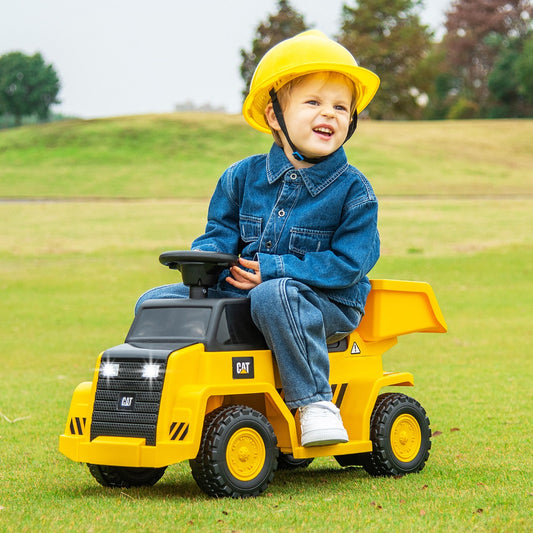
302,220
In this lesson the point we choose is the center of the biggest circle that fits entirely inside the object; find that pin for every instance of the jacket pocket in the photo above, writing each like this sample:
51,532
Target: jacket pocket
250,228
303,240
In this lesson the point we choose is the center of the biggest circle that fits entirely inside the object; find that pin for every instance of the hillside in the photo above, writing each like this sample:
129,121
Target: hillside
182,155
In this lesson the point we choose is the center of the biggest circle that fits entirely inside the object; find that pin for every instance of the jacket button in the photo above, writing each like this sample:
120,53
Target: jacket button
293,176
281,213
268,244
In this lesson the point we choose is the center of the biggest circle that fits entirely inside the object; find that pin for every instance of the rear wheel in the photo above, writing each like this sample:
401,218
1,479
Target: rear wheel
238,453
286,461
124,476
400,434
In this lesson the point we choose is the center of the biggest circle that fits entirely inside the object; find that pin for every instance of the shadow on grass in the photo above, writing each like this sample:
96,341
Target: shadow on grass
181,484
186,489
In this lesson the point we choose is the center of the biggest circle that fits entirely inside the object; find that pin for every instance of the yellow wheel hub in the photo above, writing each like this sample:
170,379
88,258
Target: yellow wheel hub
245,454
406,438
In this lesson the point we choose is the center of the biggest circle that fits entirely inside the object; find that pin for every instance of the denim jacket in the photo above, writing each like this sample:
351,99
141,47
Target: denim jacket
317,225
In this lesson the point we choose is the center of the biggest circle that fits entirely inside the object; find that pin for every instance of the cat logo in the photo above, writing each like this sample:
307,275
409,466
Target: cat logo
126,402
243,367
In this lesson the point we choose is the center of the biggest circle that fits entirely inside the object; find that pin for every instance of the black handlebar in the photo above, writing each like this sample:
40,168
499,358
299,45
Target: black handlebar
199,270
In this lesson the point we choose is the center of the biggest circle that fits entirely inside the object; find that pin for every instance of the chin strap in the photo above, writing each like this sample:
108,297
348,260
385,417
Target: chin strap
276,106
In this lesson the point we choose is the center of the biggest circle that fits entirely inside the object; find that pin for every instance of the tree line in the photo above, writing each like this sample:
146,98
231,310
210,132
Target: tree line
481,68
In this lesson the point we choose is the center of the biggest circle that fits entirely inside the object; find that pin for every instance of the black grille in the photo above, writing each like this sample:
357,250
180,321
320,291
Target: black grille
127,405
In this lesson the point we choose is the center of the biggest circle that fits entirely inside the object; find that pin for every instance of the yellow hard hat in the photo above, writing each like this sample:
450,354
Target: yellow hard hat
306,53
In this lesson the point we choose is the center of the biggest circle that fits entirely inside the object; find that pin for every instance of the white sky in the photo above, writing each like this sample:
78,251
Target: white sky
123,57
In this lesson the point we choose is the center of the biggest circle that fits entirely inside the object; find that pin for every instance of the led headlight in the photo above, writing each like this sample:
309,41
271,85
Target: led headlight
109,370
150,371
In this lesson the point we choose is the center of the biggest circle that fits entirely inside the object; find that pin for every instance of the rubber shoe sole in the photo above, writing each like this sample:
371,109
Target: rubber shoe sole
324,437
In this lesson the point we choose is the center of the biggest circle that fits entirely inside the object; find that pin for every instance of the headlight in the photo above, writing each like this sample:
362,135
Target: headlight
150,371
109,370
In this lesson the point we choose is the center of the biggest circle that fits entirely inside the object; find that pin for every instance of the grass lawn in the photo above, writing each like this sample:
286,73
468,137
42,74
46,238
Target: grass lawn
182,155
70,273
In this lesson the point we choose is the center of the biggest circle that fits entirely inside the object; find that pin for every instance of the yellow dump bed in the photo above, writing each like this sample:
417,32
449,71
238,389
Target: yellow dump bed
399,307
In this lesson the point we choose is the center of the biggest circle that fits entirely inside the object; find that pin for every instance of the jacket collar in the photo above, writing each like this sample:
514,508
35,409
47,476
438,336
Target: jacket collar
316,178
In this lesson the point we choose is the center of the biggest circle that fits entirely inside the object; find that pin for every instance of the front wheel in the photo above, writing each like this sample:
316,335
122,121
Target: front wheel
124,476
238,453
400,434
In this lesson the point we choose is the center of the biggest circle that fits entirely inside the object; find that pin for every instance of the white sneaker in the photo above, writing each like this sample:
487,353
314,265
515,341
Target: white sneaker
321,424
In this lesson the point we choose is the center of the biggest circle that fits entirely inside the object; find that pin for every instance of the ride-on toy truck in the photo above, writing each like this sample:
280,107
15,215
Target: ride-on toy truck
194,380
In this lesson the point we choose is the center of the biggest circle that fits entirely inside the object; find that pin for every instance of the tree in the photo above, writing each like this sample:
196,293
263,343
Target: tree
282,25
441,83
510,82
27,86
387,37
478,33
524,68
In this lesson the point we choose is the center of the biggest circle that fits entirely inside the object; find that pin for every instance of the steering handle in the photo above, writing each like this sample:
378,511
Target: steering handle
199,270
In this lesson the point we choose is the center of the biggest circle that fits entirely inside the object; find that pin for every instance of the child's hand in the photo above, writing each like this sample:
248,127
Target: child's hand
243,279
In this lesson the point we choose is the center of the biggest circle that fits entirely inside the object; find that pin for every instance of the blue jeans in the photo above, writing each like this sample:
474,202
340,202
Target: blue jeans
297,322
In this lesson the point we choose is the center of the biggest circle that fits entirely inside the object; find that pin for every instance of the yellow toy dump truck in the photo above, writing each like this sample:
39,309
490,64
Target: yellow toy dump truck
194,380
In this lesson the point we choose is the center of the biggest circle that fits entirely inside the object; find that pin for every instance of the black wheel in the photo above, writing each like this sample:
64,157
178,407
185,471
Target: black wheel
286,461
352,459
400,434
124,476
238,453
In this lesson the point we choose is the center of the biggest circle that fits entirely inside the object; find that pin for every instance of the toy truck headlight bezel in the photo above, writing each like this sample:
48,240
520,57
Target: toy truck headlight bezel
150,371
109,370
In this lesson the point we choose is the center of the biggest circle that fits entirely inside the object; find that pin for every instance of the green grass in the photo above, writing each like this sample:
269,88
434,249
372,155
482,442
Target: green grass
182,155
70,273
132,157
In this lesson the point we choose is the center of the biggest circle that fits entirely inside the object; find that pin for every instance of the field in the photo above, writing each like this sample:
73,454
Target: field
89,205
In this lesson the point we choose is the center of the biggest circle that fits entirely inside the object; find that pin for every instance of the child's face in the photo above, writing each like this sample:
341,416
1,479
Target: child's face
317,114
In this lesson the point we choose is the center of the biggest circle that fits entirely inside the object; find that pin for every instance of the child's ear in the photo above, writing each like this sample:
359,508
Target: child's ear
271,117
